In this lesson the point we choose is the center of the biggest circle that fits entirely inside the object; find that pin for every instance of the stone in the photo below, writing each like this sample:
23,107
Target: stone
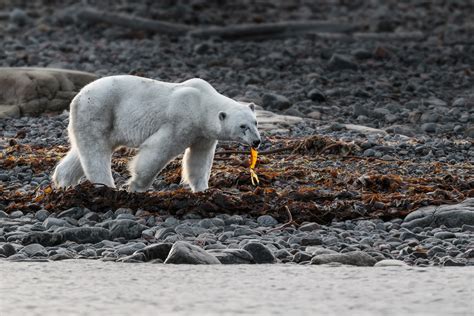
444,235
259,252
341,62
275,101
130,248
429,127
16,214
267,221
390,263
162,233
3,214
34,250
316,95
449,215
136,257
243,231
184,230
309,227
32,91
355,258
185,253
301,256
19,17
311,239
232,256
318,250
85,235
126,228
41,215
74,212
361,53
156,251
43,238
8,250
52,221
453,262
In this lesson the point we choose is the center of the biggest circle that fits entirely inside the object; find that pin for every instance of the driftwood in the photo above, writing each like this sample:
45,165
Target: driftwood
136,23
242,31
278,29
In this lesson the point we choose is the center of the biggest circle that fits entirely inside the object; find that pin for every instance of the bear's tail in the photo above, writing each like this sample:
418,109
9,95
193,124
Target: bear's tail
69,170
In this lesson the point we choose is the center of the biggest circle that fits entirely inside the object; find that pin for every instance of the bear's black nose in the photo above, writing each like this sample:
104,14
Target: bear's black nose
256,143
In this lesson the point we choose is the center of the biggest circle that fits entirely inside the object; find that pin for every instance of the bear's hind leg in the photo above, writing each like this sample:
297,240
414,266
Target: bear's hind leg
69,170
96,161
197,164
153,155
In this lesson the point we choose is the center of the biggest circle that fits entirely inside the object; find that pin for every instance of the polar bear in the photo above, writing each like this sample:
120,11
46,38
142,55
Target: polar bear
161,119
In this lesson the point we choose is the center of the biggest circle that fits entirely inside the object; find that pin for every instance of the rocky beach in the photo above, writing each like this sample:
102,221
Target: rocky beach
366,119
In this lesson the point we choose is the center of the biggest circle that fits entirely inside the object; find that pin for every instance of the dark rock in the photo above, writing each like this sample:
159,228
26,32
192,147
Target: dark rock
74,212
8,250
34,250
43,238
275,101
361,53
126,228
16,214
41,215
19,17
156,251
311,240
316,95
85,235
267,221
91,216
452,262
232,256
444,235
62,256
308,227
129,248
467,228
341,62
454,215
259,252
51,221
243,231
162,233
429,127
185,253
301,256
282,254
356,258
136,257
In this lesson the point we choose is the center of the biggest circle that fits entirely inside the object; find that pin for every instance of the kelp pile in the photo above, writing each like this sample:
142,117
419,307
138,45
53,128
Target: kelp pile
316,178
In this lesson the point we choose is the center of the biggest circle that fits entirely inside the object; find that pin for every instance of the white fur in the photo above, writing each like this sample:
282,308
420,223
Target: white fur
161,119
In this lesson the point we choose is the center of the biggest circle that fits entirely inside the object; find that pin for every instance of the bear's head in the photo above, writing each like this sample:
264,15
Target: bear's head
240,124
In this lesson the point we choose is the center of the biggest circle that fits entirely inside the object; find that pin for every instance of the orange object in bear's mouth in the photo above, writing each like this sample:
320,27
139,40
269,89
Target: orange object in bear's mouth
253,162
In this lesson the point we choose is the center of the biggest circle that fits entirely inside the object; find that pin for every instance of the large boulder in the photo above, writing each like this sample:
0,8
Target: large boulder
32,91
454,215
185,253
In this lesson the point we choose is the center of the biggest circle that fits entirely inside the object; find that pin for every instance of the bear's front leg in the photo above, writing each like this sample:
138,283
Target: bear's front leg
197,164
153,155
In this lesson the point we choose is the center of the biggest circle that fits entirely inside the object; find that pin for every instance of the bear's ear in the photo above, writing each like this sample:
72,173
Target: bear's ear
222,116
252,106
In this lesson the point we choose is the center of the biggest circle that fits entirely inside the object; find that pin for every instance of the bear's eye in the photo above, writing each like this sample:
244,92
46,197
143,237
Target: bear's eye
243,126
